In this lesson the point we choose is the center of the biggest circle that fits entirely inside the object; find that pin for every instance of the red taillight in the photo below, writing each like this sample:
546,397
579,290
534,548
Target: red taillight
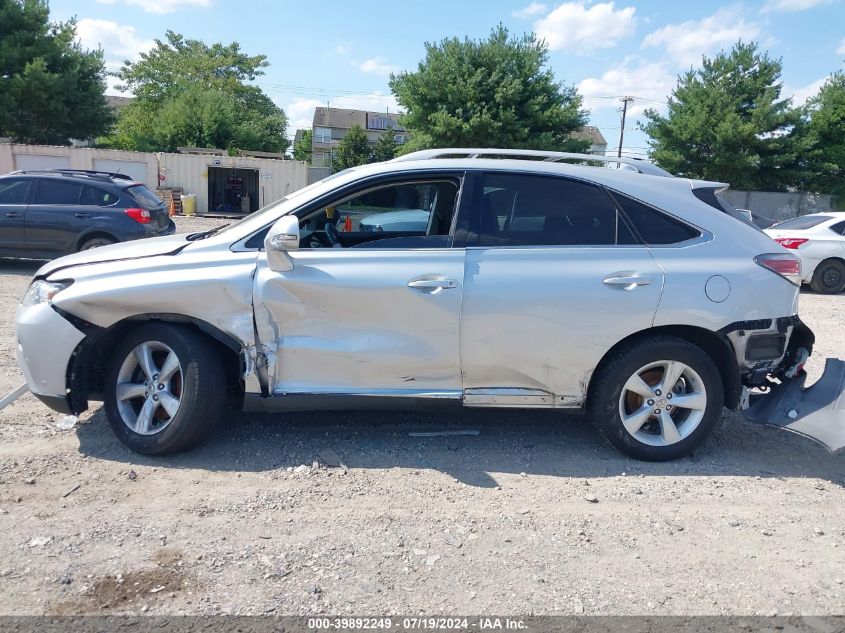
786,265
142,216
791,242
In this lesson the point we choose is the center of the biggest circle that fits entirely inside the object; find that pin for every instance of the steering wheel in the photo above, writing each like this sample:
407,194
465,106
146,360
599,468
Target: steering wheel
333,235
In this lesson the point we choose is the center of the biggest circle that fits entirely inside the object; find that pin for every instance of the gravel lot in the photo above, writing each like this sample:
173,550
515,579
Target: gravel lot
534,515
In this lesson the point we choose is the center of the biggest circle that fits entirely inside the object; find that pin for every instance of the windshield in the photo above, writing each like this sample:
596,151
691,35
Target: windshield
803,223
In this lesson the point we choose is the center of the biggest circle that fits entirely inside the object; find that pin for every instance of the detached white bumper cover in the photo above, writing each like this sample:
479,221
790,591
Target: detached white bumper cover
45,343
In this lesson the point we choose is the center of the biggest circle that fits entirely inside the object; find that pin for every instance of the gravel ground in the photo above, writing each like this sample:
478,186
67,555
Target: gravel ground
534,515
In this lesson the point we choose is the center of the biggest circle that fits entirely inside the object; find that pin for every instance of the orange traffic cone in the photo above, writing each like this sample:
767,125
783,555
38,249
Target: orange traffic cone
172,210
347,224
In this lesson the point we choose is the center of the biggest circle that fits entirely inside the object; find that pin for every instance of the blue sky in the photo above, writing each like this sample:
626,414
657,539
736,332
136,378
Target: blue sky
342,52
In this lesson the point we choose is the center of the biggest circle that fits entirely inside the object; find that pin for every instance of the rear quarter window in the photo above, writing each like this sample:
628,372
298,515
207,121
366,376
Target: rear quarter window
655,227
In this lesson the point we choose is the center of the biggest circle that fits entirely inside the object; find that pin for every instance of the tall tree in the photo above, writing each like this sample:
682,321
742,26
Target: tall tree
353,150
178,75
302,147
51,89
385,147
726,121
494,92
825,131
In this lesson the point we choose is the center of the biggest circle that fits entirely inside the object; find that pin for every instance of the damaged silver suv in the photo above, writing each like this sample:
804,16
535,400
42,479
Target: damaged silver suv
476,278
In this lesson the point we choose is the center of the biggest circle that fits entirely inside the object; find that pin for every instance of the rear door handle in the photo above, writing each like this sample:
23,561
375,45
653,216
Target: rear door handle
13,214
627,281
432,285
82,215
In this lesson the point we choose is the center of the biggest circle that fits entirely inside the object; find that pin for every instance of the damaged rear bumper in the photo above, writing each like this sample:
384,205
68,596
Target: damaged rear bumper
816,412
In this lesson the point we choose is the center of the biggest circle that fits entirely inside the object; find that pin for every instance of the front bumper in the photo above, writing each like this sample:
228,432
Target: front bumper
44,347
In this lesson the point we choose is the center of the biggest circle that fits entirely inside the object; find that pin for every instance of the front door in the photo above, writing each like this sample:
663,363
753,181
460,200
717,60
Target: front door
553,281
54,218
13,193
372,304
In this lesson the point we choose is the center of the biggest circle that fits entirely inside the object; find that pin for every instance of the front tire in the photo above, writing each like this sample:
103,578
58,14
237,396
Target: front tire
829,277
658,399
96,242
165,389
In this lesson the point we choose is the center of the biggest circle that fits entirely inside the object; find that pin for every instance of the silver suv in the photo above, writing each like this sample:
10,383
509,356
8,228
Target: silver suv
529,283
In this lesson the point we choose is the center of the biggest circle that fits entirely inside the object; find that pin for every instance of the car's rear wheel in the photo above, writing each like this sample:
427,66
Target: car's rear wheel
96,242
164,390
658,399
829,277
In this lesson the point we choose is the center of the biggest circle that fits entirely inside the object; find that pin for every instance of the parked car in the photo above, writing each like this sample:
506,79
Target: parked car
46,214
632,295
819,240
760,221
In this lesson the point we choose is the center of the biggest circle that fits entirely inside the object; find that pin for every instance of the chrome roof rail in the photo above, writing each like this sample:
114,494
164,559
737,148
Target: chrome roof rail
638,164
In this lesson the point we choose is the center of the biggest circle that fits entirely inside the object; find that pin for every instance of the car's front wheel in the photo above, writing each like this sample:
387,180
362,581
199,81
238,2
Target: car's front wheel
658,399
96,242
165,389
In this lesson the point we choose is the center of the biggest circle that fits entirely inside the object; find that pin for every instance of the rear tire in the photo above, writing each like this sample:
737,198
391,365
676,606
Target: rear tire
165,389
660,422
96,242
829,277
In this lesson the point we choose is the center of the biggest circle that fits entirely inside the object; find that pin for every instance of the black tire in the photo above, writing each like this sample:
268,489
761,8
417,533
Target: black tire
829,277
202,389
607,386
96,242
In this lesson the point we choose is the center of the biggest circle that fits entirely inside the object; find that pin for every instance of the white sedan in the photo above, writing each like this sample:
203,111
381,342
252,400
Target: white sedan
819,239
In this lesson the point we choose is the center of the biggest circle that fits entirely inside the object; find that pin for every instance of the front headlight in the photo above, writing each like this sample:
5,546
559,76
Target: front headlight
42,291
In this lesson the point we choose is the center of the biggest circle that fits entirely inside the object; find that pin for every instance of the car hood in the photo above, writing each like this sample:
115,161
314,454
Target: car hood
149,247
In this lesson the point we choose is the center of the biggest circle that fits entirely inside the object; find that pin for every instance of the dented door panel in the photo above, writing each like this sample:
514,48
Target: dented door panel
358,321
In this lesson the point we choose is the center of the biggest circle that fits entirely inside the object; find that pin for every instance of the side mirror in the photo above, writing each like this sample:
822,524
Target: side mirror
282,237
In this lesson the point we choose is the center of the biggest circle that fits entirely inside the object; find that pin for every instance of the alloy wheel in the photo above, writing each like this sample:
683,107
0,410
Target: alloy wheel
662,403
149,388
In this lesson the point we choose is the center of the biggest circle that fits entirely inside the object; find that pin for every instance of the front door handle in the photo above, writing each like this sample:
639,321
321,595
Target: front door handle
13,214
82,215
432,285
627,281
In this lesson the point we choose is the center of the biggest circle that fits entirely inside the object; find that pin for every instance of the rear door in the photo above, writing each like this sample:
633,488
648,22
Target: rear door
13,195
554,278
54,218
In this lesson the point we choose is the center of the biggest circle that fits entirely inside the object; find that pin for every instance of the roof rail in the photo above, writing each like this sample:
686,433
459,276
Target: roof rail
638,164
91,173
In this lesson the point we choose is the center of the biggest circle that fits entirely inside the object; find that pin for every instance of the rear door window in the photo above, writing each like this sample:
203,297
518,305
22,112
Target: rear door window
528,210
94,196
13,190
655,227
57,192
145,198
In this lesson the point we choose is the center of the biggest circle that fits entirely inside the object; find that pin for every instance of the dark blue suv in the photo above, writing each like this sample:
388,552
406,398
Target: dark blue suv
46,214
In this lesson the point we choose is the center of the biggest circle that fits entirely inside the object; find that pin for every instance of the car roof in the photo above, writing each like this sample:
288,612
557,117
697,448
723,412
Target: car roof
90,176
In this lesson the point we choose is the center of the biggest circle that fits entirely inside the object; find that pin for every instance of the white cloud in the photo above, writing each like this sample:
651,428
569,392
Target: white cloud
841,49
652,82
117,40
161,6
791,6
340,49
300,111
581,29
801,95
376,65
535,8
687,41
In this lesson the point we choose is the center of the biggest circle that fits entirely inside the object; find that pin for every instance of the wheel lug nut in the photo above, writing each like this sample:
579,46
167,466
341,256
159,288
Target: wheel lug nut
650,402
668,407
160,387
668,396
155,397
658,392
155,376
657,412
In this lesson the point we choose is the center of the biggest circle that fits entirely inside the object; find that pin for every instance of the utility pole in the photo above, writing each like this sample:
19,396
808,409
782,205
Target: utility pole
625,102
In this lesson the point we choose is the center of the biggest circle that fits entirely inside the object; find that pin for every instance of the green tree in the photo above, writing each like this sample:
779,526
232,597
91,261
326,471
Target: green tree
180,74
385,147
51,89
353,150
825,131
302,147
494,92
726,121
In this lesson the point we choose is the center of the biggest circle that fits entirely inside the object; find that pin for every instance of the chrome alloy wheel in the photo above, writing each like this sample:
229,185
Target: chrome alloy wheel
663,403
149,388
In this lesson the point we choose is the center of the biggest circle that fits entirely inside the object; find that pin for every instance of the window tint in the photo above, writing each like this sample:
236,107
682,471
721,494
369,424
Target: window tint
522,210
654,226
838,228
803,223
57,192
97,197
145,198
13,191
